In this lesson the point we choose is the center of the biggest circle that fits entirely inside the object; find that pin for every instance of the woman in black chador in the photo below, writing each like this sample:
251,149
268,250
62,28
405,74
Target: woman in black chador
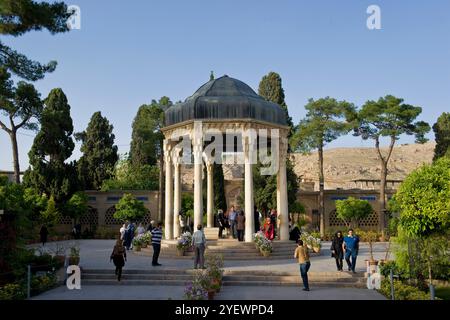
337,251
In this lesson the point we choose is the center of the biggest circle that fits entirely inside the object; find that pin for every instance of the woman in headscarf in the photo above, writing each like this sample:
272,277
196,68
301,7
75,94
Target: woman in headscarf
337,251
268,229
119,256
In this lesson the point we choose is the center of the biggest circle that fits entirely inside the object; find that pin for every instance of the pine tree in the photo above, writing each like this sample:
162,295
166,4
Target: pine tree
52,146
99,153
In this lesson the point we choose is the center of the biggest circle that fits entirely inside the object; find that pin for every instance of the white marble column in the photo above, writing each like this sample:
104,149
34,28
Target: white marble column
176,197
198,196
282,198
249,194
210,195
168,223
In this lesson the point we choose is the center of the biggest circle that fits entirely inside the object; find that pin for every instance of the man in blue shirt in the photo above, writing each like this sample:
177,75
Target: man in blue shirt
350,247
232,219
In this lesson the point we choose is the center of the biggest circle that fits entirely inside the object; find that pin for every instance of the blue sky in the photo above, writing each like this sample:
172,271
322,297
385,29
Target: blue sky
130,52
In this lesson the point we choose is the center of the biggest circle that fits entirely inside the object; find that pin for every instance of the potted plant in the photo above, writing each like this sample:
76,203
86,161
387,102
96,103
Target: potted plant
74,258
194,291
146,239
265,247
137,243
183,243
214,268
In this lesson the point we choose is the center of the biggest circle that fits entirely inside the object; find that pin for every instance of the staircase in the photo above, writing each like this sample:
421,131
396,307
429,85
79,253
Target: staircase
231,249
177,277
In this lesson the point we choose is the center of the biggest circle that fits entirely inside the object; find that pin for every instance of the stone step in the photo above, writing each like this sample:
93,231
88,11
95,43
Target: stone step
161,276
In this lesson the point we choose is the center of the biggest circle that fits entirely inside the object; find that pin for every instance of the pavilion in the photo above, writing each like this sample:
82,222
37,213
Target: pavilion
218,107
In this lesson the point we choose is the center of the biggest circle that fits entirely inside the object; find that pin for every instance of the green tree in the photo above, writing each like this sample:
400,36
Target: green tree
325,121
51,214
271,89
352,210
389,117
20,16
423,199
99,153
129,208
442,134
128,177
52,146
19,105
77,205
220,201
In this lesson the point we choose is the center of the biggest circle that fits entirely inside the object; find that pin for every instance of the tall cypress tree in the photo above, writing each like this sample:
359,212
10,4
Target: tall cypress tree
442,133
99,152
52,146
271,89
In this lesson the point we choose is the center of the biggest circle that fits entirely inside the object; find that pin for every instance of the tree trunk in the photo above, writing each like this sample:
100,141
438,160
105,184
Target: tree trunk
321,191
161,187
15,150
382,199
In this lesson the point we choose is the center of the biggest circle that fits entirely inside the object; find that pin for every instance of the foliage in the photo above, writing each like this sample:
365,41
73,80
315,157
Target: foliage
146,137
220,201
138,241
262,242
265,188
311,240
99,153
20,16
442,136
19,105
352,210
51,214
271,89
146,237
423,199
194,290
402,291
129,208
127,177
187,204
185,241
12,291
74,252
53,145
385,269
214,266
77,205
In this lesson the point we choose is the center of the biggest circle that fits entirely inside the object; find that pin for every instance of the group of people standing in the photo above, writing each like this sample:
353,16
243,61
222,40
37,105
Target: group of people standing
125,242
341,248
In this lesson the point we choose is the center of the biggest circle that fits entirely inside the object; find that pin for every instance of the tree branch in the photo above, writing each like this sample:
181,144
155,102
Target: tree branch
377,146
391,147
2,125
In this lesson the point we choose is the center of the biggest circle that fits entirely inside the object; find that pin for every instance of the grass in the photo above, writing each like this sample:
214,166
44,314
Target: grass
443,293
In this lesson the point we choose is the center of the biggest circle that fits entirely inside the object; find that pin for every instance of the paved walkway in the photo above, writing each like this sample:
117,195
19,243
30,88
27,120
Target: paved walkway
95,255
227,293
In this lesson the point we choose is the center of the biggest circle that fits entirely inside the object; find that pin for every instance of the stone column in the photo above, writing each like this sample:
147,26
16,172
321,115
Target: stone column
176,197
198,196
282,198
168,223
210,195
249,201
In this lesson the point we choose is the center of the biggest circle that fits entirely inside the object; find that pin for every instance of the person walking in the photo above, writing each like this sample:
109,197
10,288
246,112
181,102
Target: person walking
127,236
337,250
221,222
350,247
199,243
257,217
43,233
156,243
240,225
301,253
232,219
119,256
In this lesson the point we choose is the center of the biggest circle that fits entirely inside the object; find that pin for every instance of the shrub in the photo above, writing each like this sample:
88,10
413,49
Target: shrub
12,291
402,291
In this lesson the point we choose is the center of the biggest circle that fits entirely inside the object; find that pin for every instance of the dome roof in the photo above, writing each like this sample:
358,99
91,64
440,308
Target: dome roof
225,98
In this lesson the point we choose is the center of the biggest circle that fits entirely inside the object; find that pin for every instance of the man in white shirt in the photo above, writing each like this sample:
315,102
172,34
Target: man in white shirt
199,243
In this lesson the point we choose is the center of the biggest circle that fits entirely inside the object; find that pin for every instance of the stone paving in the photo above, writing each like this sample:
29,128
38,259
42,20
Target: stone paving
95,255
